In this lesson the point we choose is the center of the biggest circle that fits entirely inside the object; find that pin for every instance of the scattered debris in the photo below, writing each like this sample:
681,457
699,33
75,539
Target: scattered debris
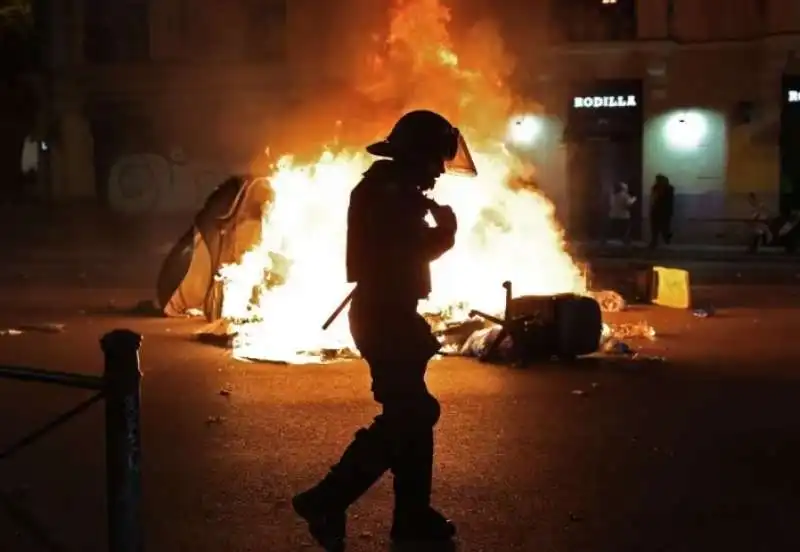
453,336
609,300
46,327
10,332
225,391
616,347
220,333
480,343
579,392
215,420
628,331
704,312
332,355
194,313
650,358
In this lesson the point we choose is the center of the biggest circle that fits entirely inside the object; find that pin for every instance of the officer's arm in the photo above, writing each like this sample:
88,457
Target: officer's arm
437,241
397,228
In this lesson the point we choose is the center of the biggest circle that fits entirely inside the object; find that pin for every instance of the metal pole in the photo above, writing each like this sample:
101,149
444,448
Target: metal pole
123,440
77,381
335,314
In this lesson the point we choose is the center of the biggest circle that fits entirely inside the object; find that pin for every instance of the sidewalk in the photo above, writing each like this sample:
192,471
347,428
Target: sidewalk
684,252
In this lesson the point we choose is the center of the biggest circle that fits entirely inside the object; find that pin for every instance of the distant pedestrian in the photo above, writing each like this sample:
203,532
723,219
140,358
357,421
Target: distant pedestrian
29,165
662,202
761,233
620,213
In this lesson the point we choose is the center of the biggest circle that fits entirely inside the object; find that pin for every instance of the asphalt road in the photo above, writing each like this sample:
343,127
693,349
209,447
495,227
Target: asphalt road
696,452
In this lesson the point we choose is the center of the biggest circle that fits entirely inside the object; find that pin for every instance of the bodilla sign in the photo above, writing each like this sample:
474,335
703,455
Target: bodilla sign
594,102
794,96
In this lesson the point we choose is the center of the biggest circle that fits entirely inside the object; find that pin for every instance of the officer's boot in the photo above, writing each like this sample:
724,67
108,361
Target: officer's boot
414,519
324,506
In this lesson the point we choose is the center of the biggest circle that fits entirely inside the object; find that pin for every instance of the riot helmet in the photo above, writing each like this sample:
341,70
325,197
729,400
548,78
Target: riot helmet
426,136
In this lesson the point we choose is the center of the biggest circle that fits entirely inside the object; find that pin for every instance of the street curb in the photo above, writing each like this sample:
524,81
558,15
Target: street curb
748,260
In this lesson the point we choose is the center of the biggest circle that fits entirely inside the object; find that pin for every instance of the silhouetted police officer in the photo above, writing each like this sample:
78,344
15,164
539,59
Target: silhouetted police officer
389,249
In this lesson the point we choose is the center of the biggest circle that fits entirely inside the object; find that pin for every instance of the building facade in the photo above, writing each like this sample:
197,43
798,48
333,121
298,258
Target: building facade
148,104
151,102
703,92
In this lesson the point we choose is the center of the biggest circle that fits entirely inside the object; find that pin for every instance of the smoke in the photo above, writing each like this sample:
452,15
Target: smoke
379,61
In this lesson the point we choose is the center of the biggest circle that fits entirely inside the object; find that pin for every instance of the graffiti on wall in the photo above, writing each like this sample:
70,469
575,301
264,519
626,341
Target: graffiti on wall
150,183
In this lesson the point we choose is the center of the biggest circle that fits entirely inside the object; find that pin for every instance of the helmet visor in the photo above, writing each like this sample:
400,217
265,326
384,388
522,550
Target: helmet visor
461,163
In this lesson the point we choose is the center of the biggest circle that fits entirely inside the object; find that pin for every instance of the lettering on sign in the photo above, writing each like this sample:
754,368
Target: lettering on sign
593,102
794,96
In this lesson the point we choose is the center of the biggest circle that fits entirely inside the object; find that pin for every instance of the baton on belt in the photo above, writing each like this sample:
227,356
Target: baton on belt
335,314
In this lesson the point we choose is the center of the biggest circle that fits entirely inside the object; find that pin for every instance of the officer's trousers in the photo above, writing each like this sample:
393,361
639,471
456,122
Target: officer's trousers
397,344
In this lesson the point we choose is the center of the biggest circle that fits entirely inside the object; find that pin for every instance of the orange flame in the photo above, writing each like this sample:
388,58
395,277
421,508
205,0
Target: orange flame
505,233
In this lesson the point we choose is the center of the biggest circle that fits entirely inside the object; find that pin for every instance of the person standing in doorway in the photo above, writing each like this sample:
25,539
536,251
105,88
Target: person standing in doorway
662,200
620,213
759,214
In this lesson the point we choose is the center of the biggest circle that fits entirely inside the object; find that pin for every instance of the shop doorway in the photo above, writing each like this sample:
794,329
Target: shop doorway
595,167
790,145
604,145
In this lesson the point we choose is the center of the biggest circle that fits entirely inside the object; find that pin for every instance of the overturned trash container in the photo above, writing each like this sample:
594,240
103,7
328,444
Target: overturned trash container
541,327
228,225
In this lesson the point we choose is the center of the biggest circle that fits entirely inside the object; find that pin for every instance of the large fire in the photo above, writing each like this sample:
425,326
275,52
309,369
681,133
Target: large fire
506,232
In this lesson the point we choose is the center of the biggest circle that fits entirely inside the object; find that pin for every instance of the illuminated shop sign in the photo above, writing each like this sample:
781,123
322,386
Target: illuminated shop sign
593,102
794,96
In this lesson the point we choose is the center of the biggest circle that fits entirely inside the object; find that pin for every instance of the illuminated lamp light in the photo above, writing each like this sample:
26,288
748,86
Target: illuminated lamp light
685,131
524,131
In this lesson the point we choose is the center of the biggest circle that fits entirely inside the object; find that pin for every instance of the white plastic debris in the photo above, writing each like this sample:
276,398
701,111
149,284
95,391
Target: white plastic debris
609,300
704,312
47,327
10,332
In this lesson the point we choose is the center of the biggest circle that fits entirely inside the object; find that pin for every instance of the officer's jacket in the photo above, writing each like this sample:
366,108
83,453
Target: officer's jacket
389,243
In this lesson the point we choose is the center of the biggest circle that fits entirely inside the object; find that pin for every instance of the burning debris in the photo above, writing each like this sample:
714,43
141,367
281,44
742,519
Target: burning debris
220,333
628,331
46,327
610,301
303,221
279,241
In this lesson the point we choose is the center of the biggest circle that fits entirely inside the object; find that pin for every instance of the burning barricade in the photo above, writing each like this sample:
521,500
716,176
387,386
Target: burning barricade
264,260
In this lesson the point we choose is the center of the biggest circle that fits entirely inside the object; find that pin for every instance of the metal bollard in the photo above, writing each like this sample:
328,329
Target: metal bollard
123,440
